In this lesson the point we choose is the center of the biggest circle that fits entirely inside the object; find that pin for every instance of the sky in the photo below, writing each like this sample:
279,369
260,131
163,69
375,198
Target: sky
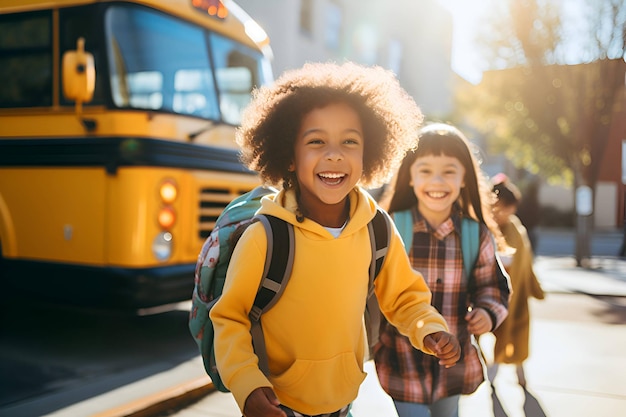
466,15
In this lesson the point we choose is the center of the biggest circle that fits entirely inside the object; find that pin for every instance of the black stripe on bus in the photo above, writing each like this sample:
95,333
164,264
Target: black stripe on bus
113,153
95,287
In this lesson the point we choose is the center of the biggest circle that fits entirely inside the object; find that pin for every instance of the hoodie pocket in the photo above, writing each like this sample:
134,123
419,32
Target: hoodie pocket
318,381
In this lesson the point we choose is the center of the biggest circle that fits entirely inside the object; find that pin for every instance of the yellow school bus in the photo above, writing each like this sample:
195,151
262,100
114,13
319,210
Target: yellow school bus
117,121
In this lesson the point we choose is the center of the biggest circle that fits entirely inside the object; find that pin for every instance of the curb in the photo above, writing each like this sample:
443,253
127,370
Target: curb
162,401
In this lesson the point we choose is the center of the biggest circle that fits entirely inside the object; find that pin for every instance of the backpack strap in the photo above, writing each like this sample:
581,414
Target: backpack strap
279,264
276,274
470,237
470,243
404,223
380,234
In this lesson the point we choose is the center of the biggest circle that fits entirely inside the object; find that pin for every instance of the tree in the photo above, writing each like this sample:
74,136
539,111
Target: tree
545,114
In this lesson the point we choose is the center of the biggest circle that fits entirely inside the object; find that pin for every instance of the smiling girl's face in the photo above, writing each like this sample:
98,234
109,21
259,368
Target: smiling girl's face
328,161
437,182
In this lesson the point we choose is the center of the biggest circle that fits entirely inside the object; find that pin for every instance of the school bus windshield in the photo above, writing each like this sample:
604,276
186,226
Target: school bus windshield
158,62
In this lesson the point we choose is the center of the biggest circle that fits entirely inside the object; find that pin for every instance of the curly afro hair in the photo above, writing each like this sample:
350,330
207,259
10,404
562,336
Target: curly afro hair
390,118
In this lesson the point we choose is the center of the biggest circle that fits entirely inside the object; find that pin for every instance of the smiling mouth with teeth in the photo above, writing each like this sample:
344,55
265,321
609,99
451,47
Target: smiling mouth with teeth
437,194
331,179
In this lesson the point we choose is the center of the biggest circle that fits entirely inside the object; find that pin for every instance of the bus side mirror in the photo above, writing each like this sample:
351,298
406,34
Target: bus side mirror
79,74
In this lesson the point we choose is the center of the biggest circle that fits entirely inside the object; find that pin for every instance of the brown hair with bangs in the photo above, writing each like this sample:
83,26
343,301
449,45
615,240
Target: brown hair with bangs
440,139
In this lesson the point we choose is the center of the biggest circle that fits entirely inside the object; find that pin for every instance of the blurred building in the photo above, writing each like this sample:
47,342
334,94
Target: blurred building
411,38
603,136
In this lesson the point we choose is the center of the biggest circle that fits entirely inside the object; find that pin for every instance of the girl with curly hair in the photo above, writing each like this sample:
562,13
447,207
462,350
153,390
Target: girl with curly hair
321,132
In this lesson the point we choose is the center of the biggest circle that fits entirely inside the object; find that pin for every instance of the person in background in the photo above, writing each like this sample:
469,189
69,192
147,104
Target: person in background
529,211
322,132
511,346
439,184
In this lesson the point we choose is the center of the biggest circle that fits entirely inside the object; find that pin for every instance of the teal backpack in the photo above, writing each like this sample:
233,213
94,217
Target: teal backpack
470,245
470,237
210,273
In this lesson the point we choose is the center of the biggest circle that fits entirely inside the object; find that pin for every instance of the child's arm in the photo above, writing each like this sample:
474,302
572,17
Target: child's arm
234,353
404,298
445,346
478,321
490,290
262,402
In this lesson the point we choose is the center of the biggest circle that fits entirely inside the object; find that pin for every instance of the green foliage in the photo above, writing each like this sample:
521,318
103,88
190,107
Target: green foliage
547,117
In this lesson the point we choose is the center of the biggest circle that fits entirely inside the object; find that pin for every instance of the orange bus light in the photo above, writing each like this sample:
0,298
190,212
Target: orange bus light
213,8
166,218
168,191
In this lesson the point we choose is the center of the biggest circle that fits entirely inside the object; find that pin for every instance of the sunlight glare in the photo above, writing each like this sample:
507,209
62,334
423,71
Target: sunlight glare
466,16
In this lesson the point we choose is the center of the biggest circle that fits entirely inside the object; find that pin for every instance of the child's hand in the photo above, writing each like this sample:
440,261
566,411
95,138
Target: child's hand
478,321
262,402
445,346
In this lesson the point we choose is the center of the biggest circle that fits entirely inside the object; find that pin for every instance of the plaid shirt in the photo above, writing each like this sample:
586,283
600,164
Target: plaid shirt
410,375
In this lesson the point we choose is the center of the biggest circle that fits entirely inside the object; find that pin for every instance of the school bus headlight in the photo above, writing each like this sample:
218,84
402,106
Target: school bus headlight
162,246
168,191
167,217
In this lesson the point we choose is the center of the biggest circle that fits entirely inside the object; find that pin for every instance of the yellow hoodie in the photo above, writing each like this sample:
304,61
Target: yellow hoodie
314,334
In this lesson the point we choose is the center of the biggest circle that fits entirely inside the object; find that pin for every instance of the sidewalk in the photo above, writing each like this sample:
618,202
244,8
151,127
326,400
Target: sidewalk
575,369
605,276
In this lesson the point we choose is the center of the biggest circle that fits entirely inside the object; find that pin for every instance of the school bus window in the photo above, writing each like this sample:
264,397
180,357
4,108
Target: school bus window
237,72
192,88
227,54
26,60
235,85
150,54
147,87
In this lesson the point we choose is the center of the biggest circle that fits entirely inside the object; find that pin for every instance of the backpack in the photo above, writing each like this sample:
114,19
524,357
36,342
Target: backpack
210,272
470,245
470,237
